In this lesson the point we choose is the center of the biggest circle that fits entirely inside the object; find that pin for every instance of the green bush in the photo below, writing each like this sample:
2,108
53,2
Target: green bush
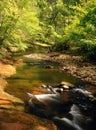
88,48
61,46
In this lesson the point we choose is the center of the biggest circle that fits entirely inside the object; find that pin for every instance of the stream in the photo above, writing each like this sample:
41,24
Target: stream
28,79
33,74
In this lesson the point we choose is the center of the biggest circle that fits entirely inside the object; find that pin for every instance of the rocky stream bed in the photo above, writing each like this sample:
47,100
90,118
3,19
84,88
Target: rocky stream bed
12,112
73,65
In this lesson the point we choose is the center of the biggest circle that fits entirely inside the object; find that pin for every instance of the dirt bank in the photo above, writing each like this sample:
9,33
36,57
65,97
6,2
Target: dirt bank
74,65
22,121
8,101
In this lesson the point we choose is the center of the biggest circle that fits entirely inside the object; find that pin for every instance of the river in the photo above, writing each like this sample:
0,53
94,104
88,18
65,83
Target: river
33,74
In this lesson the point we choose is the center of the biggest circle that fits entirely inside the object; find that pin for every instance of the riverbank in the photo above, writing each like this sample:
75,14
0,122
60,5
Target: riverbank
8,101
73,65
12,109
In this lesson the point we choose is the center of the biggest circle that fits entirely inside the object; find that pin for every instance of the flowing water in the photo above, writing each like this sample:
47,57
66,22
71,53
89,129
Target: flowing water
33,74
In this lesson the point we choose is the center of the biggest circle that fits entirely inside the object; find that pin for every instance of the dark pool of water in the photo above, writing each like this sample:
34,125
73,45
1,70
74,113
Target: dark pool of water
33,74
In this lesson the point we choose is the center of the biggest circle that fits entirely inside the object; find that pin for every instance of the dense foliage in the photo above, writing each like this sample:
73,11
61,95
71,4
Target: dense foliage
64,24
80,35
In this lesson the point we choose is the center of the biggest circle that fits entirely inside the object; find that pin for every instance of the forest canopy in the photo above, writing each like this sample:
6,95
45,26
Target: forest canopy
64,24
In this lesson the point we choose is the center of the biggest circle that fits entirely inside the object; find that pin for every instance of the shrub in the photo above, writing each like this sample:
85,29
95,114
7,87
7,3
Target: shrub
61,46
88,48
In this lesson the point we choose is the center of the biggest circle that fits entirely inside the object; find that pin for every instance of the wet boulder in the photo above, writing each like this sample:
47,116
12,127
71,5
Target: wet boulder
48,105
58,88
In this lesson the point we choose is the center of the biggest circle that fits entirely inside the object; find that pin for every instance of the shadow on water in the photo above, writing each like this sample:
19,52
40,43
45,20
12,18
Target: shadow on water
31,75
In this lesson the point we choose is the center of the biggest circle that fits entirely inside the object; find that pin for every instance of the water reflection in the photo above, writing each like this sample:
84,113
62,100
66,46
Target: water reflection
33,74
